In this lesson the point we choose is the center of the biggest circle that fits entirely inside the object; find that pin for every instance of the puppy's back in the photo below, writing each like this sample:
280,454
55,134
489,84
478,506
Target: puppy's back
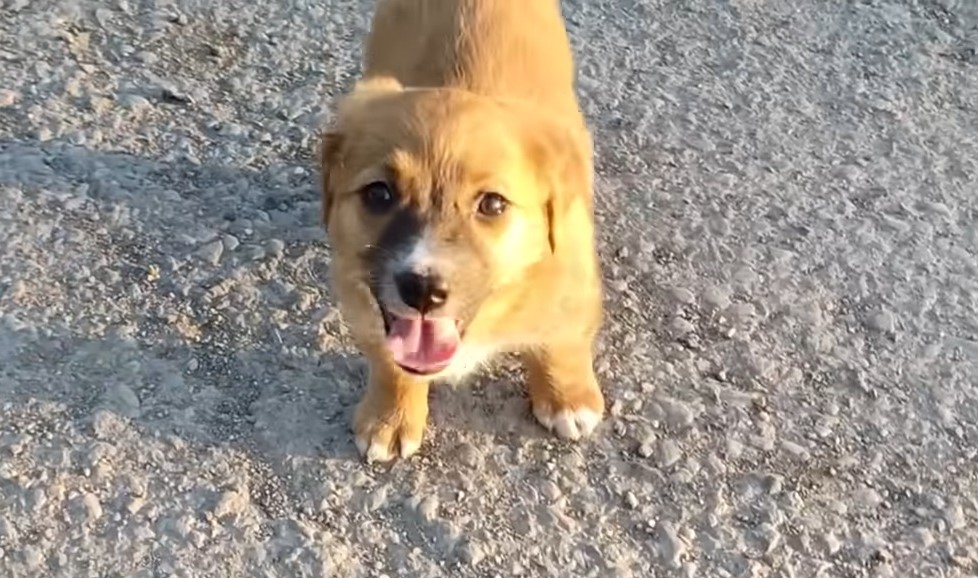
504,48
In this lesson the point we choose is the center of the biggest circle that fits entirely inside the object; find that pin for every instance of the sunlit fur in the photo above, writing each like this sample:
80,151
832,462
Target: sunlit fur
460,97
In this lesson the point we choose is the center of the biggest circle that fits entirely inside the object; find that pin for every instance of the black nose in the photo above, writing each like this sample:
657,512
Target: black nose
421,292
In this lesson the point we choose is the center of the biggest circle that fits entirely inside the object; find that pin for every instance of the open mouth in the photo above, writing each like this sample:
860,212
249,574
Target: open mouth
420,344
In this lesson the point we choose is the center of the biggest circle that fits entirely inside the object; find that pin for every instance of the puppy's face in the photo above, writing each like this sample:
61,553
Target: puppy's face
435,201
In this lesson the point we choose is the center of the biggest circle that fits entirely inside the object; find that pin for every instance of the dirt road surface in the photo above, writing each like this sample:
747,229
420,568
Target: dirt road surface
788,205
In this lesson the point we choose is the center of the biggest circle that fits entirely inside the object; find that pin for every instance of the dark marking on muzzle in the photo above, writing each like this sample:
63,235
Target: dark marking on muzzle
403,229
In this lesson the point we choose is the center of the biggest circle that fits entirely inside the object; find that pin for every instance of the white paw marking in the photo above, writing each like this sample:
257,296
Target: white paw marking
362,445
376,451
409,447
569,424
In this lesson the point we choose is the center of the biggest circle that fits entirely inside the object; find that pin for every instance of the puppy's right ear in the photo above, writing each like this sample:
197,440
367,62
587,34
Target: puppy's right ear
330,147
331,144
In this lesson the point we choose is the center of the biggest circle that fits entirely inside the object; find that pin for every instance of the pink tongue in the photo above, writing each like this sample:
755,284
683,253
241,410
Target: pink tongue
425,345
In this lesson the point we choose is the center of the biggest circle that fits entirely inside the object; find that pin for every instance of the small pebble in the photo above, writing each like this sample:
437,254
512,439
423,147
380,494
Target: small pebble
716,298
275,247
8,98
795,450
428,508
882,321
671,548
377,498
254,252
680,327
550,490
774,484
669,453
471,553
832,543
646,449
954,515
867,497
923,537
631,500
211,252
469,455
88,507
135,102
683,295
678,413
230,242
734,449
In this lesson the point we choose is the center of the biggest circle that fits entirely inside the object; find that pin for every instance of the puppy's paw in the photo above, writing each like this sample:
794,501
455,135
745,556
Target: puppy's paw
385,428
563,388
570,417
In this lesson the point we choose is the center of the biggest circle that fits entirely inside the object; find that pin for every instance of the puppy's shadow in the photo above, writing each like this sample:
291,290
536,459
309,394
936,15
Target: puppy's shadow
215,347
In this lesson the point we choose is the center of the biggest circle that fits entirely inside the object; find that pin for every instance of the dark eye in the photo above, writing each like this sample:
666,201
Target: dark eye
492,204
378,197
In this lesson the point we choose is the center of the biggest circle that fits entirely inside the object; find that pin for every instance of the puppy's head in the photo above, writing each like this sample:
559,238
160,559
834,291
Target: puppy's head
436,201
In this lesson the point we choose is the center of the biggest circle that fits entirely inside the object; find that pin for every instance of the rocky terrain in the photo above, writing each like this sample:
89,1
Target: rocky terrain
788,206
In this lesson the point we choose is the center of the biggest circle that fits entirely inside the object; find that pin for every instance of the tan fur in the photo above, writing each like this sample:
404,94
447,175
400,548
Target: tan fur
460,96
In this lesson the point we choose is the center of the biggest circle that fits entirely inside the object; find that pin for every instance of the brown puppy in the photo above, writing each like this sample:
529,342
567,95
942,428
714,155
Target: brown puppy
457,196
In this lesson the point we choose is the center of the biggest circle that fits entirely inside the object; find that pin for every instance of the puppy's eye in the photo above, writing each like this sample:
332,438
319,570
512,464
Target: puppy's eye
378,197
492,204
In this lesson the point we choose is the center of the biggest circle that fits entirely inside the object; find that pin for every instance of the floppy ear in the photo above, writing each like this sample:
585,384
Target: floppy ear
571,166
332,139
330,145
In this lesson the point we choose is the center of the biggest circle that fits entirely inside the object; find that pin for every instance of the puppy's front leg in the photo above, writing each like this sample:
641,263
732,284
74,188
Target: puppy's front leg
390,418
563,388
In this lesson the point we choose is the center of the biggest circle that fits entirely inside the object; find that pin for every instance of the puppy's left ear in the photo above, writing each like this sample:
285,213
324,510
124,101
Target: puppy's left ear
569,157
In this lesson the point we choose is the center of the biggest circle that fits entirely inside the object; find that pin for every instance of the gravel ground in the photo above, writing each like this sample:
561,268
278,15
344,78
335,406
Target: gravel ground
789,219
